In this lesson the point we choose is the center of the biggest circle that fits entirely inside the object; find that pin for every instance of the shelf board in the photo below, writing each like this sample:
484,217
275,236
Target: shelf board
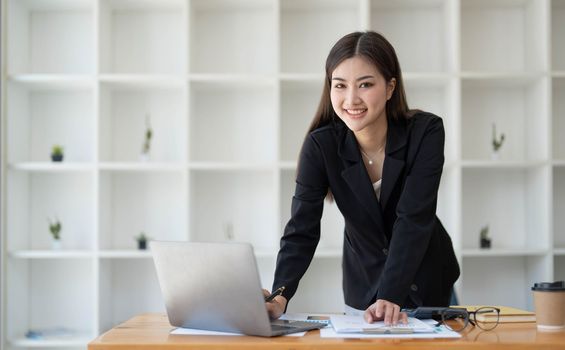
559,251
559,163
125,254
302,77
287,165
558,74
51,343
51,166
136,81
426,79
142,166
54,81
328,253
231,166
51,254
502,252
231,79
500,79
501,164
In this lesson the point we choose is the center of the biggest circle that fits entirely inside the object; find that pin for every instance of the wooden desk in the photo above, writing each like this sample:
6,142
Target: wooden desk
151,331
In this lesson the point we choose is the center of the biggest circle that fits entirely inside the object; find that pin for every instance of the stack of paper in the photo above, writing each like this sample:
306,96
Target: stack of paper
356,324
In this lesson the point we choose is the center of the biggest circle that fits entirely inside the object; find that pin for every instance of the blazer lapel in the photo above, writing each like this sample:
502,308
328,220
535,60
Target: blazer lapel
356,177
395,155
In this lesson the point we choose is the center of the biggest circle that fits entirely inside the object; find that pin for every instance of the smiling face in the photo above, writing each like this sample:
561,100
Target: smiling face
359,93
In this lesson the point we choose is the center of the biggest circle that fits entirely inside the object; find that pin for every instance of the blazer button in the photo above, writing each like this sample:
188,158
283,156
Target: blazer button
414,287
385,251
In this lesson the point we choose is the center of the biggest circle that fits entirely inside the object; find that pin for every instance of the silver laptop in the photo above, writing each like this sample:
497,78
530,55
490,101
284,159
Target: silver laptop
216,286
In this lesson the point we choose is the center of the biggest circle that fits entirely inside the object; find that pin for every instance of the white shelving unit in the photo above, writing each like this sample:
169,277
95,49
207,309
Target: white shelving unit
229,89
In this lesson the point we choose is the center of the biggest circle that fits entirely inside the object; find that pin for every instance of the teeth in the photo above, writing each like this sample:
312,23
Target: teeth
355,111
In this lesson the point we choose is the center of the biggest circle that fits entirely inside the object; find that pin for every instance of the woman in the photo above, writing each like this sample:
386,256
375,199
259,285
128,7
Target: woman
382,164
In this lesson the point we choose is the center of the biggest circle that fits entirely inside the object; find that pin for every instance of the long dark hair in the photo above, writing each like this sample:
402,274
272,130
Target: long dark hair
377,50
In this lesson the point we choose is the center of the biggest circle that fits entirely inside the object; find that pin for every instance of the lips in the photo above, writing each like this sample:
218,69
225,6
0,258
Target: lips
356,113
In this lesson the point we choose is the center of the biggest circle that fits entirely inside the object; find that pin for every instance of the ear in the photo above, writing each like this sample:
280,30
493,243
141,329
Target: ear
390,86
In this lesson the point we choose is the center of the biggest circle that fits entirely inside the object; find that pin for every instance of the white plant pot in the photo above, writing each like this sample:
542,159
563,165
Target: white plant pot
144,157
495,155
56,244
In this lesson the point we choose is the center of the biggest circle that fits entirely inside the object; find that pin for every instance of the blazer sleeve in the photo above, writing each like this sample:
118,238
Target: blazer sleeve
302,232
416,213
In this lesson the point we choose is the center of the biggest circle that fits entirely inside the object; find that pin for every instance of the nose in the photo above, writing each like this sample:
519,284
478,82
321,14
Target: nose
352,97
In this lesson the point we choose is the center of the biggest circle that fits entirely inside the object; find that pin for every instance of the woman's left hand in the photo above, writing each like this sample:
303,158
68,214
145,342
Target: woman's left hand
387,311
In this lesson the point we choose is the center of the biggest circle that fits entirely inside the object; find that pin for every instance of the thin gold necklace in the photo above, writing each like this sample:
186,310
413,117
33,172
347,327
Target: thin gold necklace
367,156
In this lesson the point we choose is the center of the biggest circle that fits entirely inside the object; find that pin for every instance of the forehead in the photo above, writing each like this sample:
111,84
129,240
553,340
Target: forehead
355,67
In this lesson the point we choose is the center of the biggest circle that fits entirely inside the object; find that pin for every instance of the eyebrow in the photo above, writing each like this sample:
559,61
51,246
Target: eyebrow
358,79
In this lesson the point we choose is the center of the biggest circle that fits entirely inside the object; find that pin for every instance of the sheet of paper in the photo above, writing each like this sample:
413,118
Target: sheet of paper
191,331
357,324
439,332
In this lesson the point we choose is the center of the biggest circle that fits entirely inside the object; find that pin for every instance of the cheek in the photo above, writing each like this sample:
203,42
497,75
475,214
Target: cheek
336,100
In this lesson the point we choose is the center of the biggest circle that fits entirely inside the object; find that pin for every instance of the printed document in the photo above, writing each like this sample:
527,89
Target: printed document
357,324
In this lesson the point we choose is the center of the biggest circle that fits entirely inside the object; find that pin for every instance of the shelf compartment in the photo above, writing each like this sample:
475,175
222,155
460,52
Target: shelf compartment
125,111
232,36
48,291
332,222
489,279
34,198
142,37
132,202
512,104
322,274
558,207
513,203
231,123
233,206
557,34
309,29
50,37
559,268
518,45
299,101
558,98
426,49
127,287
39,117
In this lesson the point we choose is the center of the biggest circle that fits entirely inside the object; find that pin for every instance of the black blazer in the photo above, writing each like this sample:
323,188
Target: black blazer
394,249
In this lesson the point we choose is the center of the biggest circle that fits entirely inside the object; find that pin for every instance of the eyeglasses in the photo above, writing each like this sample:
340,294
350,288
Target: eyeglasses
457,319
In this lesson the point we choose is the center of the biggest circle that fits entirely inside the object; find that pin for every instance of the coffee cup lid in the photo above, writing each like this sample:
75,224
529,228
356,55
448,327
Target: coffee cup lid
549,286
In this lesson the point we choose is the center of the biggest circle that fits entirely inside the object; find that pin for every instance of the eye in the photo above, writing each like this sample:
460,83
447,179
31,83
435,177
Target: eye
339,86
366,85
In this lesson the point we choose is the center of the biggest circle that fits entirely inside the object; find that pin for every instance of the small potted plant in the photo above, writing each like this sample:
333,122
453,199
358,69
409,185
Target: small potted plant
485,239
496,142
55,229
146,146
141,241
57,153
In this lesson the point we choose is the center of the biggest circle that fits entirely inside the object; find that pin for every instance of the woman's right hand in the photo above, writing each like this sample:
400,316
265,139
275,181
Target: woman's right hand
275,307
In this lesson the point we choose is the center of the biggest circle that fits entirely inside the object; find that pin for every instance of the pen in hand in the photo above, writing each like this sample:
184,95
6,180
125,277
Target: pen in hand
274,294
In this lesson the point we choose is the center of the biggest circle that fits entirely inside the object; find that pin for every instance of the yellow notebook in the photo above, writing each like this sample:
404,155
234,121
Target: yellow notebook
507,314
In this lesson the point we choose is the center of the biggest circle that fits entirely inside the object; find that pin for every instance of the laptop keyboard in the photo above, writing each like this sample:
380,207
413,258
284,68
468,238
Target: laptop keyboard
278,325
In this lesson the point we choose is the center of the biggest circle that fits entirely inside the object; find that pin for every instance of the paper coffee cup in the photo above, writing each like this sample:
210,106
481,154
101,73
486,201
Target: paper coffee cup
549,301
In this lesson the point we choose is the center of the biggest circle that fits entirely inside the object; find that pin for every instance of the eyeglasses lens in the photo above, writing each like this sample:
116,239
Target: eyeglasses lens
455,320
486,318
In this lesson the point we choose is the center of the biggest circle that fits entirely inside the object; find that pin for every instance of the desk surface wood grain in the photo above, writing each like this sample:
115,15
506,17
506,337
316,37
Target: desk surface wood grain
152,331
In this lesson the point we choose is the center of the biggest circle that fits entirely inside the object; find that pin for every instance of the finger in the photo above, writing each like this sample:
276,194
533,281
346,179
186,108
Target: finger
369,314
380,309
395,314
388,312
404,317
266,293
